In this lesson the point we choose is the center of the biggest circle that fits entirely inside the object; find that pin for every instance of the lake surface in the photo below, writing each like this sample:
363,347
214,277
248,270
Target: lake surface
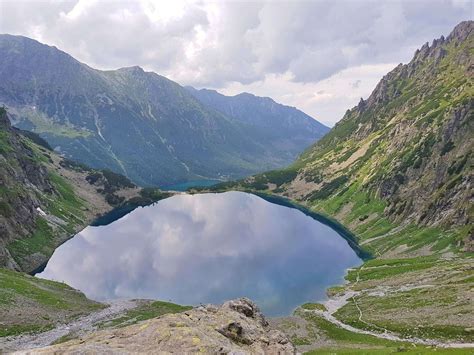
207,248
195,183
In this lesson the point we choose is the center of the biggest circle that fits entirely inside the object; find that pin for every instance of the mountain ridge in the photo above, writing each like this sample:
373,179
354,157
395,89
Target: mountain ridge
133,122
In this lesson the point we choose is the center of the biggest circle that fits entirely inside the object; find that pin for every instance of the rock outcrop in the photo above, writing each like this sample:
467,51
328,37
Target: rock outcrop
236,327
45,199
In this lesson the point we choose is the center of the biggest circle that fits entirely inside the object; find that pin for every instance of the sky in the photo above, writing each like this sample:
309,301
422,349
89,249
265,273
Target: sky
319,56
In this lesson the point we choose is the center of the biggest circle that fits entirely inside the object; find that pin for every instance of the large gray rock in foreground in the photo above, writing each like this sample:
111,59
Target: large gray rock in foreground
236,327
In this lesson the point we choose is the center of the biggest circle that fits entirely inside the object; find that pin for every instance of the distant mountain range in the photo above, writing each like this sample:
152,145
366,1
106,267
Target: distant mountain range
286,128
143,125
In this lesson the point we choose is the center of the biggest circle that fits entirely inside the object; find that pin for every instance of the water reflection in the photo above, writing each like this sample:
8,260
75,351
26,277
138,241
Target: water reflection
206,249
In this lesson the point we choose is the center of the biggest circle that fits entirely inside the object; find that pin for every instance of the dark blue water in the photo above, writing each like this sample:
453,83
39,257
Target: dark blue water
207,248
195,183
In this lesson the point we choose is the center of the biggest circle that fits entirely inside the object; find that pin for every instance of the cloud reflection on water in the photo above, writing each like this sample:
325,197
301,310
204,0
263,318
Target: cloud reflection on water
206,249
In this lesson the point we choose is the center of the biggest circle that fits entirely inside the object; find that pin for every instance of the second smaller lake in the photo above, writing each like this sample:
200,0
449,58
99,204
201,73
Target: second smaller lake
188,184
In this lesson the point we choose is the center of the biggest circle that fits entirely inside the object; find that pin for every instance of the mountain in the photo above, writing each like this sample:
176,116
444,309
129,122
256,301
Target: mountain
133,122
285,128
45,199
397,169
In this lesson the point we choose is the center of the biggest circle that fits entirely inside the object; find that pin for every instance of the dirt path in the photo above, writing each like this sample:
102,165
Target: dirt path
80,326
335,303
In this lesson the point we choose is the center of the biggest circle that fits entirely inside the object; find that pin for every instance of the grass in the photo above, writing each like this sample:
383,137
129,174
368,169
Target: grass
143,312
65,205
23,329
313,306
46,125
387,271
5,146
64,339
419,350
342,336
42,241
435,307
29,304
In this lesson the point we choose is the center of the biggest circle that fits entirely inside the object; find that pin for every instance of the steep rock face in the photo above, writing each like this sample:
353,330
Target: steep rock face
236,327
397,169
45,199
133,122
287,130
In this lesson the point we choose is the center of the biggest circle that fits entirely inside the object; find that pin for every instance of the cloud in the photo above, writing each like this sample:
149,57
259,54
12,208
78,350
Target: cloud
326,100
215,44
356,84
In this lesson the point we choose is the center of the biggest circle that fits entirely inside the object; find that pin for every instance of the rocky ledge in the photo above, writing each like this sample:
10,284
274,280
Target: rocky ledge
236,327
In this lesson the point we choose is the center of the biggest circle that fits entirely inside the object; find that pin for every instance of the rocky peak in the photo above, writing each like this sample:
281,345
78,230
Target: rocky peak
461,32
134,70
4,121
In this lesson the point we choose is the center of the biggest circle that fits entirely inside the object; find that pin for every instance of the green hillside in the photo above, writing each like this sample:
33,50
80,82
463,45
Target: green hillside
397,169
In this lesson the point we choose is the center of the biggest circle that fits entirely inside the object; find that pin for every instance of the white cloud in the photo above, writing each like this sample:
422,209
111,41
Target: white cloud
292,45
327,99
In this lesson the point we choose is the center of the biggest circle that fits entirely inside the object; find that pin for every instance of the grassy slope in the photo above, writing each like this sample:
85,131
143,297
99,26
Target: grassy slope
29,304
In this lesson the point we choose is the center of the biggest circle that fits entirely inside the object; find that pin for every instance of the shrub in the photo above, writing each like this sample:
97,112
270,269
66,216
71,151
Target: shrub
329,188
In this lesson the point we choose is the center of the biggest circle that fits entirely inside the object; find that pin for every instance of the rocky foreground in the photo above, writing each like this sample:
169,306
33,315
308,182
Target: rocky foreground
237,326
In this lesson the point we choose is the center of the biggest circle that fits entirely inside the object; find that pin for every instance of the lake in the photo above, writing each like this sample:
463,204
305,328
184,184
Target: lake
194,183
207,248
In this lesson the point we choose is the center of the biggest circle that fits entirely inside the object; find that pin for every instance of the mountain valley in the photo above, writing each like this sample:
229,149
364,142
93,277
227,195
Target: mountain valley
81,149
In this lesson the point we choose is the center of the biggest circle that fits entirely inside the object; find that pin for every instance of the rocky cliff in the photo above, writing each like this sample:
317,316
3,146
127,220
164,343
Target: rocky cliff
45,199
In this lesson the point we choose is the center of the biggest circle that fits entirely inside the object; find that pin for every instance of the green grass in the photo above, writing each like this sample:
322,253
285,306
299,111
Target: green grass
30,304
65,205
23,329
334,290
429,311
5,146
48,126
409,301
42,241
388,271
144,312
340,335
419,350
313,306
